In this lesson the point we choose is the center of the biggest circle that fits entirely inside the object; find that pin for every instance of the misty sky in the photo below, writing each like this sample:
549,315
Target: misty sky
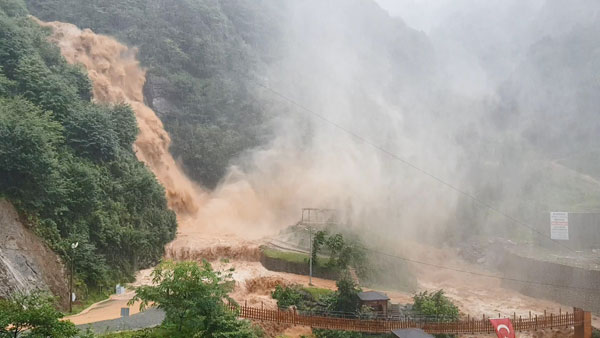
419,14
425,15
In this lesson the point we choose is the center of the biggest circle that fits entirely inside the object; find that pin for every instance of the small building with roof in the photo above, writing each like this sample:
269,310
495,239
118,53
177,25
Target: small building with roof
378,301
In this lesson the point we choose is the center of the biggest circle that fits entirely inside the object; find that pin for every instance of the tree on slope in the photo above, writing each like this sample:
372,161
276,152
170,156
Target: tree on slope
345,299
435,304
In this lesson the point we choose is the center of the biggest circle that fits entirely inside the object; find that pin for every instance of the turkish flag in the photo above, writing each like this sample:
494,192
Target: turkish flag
503,327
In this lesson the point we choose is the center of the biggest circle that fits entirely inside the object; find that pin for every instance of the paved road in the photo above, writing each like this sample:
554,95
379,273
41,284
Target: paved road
142,320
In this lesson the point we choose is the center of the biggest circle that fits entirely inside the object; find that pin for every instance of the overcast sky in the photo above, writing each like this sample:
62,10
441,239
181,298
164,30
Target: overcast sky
419,14
426,15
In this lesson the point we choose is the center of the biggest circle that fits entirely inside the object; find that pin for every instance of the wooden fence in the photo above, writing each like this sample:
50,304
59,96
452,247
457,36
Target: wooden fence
470,325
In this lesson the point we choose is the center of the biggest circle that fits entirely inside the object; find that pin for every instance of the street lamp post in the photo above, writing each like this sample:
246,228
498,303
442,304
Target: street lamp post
73,247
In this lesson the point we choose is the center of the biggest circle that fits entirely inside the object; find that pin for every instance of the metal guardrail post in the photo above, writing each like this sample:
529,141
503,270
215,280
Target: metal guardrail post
583,323
580,319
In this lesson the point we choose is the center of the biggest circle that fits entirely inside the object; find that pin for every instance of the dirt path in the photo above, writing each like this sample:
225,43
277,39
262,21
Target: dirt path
111,307
105,310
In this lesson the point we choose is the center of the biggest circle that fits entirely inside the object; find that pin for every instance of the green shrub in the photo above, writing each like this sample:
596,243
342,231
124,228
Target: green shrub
320,333
287,296
192,297
435,304
345,298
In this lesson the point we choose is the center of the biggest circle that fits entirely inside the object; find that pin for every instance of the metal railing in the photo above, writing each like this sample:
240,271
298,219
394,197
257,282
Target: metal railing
468,325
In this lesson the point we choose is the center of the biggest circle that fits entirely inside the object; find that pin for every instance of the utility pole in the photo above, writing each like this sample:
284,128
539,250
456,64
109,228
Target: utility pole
310,256
73,247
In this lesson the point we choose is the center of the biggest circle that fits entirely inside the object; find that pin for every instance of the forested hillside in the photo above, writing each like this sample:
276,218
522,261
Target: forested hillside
67,164
197,66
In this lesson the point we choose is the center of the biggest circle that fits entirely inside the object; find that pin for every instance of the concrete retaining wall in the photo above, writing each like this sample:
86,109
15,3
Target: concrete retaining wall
580,281
280,265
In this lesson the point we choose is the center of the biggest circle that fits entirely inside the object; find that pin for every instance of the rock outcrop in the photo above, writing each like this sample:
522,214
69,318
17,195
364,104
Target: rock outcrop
26,263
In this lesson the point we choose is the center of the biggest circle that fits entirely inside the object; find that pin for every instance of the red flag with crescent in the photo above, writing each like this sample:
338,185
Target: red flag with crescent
503,327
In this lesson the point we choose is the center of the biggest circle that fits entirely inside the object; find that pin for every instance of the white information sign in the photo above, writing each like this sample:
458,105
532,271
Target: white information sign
559,225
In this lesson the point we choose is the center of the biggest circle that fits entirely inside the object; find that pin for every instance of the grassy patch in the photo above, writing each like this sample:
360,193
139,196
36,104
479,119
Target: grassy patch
145,333
93,297
294,257
318,293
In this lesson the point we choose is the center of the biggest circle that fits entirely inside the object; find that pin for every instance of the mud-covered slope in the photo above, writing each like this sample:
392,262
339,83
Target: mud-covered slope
26,263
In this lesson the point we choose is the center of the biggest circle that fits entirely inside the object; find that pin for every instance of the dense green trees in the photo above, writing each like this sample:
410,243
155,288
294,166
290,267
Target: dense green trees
33,316
28,141
192,297
343,252
68,164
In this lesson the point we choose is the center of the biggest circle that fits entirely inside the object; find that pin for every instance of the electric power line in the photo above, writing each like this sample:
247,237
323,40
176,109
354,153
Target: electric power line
407,163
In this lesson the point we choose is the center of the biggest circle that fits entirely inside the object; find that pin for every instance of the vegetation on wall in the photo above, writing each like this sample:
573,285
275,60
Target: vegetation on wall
67,164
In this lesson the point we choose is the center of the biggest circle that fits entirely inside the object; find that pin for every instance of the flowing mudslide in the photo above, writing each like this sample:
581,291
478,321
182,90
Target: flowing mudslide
209,221
118,78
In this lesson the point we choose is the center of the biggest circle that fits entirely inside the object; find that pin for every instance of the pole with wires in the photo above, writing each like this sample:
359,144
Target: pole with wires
310,256
71,286
73,247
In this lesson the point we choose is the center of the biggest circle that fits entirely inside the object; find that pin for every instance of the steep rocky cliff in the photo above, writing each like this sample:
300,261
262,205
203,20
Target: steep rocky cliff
26,263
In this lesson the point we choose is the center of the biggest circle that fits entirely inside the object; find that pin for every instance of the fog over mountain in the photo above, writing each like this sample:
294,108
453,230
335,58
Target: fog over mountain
532,64
383,113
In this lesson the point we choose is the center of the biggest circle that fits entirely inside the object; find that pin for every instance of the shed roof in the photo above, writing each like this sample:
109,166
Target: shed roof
411,333
372,296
